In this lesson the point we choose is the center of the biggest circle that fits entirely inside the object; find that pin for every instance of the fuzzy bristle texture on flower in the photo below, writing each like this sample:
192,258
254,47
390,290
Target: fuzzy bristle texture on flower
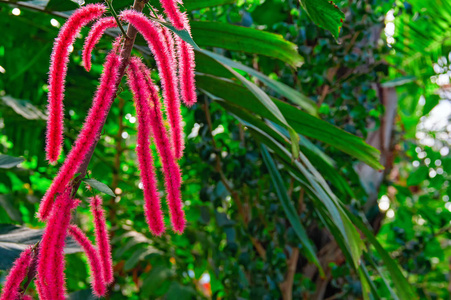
51,253
102,238
101,105
97,30
185,54
57,72
173,13
171,170
97,280
167,70
152,205
17,275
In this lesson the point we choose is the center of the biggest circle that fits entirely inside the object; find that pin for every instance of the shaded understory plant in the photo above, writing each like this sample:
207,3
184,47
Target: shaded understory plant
175,62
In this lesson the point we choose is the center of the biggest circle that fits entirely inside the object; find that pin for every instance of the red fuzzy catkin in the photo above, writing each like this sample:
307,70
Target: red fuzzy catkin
58,70
173,13
101,104
171,170
51,254
152,205
97,280
17,275
154,38
102,238
187,65
97,30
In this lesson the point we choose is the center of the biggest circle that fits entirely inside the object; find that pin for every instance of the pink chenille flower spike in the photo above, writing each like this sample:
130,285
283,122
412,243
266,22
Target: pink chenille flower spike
58,70
17,275
97,30
185,54
173,13
51,254
100,107
171,170
152,34
97,279
102,238
152,206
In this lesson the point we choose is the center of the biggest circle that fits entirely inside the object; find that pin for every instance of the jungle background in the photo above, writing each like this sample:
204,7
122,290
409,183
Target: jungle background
321,216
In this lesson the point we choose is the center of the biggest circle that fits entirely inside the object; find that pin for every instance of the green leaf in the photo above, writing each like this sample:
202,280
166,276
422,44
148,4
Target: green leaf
238,38
101,187
8,162
198,4
417,176
315,183
398,81
183,34
280,88
14,239
368,287
403,287
382,275
264,99
325,14
300,121
138,255
289,209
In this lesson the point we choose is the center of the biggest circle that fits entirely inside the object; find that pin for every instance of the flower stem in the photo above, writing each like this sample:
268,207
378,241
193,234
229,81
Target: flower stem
113,12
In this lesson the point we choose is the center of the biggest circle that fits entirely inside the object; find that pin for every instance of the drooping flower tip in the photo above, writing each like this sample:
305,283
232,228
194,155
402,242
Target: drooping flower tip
57,75
152,206
97,279
186,74
102,238
99,110
171,170
178,223
51,279
16,275
156,42
97,30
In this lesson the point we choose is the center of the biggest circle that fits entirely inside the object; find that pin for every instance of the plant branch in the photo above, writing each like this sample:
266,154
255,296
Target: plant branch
113,12
126,51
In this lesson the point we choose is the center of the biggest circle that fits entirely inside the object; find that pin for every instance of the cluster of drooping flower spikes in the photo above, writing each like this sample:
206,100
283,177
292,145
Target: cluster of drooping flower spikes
50,269
17,275
150,119
152,33
184,59
58,70
103,99
185,54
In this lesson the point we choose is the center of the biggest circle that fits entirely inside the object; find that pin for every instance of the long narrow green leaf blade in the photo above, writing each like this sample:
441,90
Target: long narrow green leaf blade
403,287
245,39
301,122
280,88
289,209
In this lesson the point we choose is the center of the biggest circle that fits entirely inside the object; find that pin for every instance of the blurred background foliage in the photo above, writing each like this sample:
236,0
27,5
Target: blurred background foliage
261,223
